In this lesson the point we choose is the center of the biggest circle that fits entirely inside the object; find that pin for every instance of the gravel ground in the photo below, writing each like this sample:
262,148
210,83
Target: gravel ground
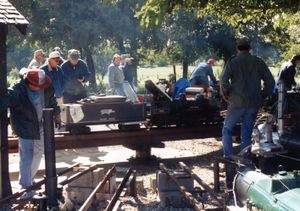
201,152
196,154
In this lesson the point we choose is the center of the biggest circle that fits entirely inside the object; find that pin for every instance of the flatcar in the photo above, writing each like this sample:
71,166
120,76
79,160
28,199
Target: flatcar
158,109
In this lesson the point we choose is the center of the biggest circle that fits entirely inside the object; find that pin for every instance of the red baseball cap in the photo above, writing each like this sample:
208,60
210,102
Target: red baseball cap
211,62
38,78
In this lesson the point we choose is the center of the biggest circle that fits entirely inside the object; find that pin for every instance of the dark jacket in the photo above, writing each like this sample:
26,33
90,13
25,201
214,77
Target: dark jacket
241,80
287,74
24,119
57,78
71,75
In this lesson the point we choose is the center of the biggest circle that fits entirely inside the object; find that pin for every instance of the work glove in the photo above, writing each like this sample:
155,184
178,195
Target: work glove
57,121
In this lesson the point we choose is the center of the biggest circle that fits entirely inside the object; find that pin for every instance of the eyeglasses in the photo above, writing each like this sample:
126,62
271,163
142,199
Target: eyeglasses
57,60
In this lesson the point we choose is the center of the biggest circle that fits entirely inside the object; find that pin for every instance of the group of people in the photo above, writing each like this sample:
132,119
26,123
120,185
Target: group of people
46,83
67,76
242,88
49,82
120,70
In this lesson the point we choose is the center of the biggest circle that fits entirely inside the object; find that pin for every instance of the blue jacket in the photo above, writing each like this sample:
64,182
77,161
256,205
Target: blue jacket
57,78
71,75
200,74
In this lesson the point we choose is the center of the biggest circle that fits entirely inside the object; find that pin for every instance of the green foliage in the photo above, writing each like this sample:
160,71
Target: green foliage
13,76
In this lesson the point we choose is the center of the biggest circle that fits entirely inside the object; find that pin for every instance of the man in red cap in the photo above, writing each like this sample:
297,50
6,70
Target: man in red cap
201,73
26,100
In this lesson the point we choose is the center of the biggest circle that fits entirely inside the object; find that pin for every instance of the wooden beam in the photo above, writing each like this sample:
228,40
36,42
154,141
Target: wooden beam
5,187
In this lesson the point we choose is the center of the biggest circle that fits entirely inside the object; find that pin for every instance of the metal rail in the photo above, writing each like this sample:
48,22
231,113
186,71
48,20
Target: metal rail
79,174
33,187
119,190
196,204
139,137
202,183
86,205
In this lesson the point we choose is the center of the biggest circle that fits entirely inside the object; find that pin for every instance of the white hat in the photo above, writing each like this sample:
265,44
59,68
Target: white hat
54,54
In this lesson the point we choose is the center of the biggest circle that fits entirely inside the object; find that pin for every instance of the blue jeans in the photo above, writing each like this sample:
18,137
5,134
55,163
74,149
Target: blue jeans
247,117
31,152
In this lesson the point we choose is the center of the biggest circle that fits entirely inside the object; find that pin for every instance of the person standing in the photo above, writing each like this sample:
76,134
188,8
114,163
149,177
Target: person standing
54,71
38,59
26,100
116,76
288,71
61,59
201,73
76,74
240,85
129,71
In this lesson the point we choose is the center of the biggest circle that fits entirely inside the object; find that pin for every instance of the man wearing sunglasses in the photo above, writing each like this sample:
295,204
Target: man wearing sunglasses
54,71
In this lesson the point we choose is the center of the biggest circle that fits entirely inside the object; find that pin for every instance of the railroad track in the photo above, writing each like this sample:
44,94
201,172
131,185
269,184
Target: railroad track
141,137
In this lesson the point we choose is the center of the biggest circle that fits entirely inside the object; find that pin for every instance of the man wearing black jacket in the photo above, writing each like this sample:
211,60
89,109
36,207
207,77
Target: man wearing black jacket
26,100
288,71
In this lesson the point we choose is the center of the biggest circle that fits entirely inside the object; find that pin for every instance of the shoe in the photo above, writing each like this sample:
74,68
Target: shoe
27,195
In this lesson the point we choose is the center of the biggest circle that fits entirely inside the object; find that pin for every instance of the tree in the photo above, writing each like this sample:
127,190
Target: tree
235,12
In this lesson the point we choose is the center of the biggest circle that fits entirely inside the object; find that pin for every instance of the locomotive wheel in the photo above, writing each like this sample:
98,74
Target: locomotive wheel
80,130
128,127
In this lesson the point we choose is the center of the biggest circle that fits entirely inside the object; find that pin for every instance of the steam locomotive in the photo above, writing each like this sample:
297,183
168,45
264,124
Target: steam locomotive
197,106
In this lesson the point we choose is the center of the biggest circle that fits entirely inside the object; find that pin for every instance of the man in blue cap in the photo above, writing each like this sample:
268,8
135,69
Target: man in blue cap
76,73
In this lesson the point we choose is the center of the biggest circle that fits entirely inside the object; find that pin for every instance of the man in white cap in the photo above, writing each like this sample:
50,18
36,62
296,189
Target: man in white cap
26,100
38,59
54,71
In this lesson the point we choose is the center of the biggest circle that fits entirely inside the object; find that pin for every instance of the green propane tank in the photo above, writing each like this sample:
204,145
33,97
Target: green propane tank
269,192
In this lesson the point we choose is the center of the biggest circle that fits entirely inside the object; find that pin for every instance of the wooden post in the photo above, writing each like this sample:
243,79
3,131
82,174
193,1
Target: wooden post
5,186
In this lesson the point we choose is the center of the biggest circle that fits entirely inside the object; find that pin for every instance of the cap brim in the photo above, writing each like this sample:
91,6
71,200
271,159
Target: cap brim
46,84
74,57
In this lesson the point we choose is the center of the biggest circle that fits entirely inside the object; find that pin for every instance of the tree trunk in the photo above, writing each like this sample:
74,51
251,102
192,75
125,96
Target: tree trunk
121,46
90,63
185,66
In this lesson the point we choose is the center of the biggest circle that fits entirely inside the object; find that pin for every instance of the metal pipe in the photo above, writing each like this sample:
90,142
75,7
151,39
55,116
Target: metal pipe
196,204
50,162
200,181
86,205
281,92
119,190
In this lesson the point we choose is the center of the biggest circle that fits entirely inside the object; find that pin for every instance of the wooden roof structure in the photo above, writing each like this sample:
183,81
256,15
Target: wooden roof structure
9,15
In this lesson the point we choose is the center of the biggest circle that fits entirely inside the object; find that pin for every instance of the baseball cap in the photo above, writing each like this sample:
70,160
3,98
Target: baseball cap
38,78
211,61
243,41
74,54
54,54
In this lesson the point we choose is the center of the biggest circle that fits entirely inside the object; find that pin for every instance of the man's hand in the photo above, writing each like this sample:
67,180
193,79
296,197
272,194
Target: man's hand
57,121
81,79
226,98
